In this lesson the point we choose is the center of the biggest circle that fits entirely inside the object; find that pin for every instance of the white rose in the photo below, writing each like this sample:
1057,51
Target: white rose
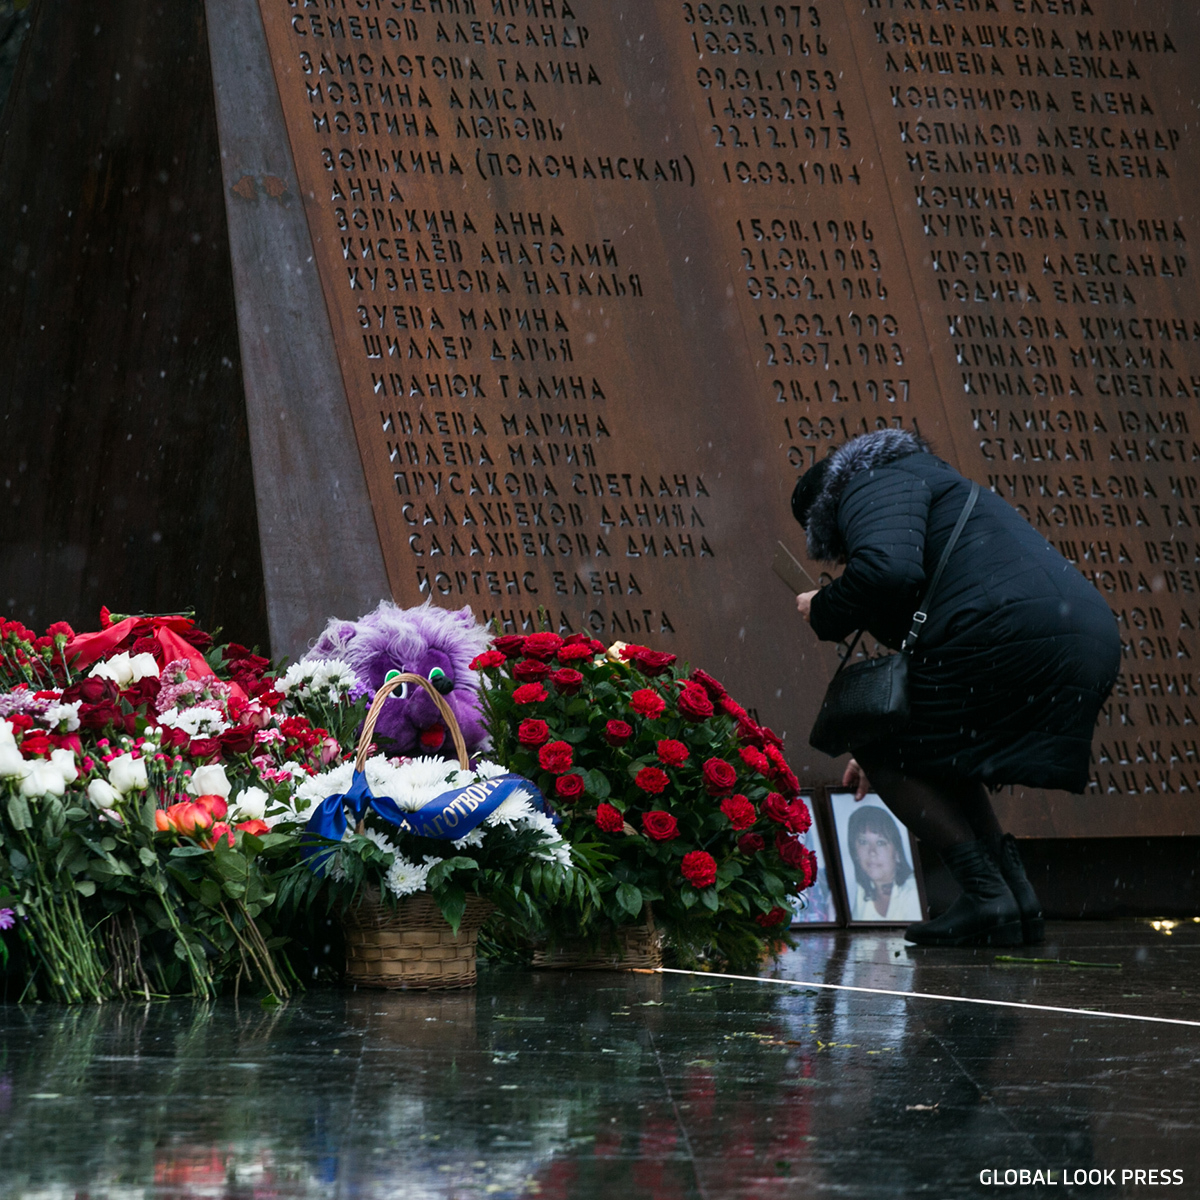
143,666
102,794
119,669
63,761
251,804
126,773
210,780
42,779
6,734
11,762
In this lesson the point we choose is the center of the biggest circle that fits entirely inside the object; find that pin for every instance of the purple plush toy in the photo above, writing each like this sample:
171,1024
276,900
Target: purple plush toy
427,641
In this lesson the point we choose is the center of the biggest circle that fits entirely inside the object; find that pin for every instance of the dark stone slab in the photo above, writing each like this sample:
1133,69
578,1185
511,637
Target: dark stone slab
125,459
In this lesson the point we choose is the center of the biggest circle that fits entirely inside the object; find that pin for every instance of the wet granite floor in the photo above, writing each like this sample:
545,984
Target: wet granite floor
630,1086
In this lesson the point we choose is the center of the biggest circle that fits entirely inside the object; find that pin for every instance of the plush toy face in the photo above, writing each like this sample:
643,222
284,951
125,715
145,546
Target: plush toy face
425,641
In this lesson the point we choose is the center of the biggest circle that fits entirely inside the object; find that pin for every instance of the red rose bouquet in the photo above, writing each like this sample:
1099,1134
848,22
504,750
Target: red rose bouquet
670,794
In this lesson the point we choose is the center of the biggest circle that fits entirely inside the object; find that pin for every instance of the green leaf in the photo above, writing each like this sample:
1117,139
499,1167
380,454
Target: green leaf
188,851
85,887
453,903
18,812
708,898
148,857
597,784
443,870
689,897
210,893
629,898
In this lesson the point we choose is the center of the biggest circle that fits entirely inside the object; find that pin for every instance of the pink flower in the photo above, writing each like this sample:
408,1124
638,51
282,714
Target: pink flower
8,918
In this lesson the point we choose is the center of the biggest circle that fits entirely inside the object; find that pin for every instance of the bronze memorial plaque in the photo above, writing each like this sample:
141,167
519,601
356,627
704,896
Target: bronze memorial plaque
603,275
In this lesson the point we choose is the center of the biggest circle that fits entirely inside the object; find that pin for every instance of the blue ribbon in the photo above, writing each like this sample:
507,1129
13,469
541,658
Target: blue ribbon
450,816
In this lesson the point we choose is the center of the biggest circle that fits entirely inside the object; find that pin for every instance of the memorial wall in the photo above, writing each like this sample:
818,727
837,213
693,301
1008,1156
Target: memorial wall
603,275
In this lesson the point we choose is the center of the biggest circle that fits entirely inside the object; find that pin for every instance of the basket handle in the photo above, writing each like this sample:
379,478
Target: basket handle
447,713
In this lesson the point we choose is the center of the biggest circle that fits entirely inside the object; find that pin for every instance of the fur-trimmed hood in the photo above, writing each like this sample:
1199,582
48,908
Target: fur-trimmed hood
859,454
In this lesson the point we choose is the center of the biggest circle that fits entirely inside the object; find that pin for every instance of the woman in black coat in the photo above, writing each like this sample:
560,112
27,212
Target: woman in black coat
1007,678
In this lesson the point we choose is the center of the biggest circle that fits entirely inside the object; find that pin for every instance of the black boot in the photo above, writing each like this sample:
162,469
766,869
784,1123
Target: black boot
1004,851
986,914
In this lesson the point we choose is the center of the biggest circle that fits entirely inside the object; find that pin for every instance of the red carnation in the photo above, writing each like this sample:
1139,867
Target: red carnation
709,684
509,644
569,786
617,733
60,628
21,722
530,671
652,780
575,653
36,743
661,826
647,703
739,810
609,819
649,662
751,843
801,818
719,776
672,753
776,916
489,658
756,760
530,693
567,681
542,645
694,702
532,732
556,757
699,869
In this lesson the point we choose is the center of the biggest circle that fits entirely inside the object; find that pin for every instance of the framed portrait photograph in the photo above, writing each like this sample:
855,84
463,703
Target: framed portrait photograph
821,905
879,866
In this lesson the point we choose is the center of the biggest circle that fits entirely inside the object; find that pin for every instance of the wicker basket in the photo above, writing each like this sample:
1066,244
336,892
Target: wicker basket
410,944
631,948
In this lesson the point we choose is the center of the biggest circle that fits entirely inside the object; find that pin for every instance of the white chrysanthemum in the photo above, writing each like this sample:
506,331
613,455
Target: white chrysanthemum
200,721
405,877
333,676
315,788
56,714
472,841
554,849
416,781
296,676
516,809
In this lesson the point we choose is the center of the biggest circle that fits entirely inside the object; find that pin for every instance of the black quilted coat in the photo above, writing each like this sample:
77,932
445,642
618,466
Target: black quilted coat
1019,652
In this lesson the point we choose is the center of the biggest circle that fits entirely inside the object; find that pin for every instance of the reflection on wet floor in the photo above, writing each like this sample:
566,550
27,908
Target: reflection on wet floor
582,1084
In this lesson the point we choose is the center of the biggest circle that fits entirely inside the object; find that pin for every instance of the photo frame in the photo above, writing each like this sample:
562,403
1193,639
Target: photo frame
878,863
822,906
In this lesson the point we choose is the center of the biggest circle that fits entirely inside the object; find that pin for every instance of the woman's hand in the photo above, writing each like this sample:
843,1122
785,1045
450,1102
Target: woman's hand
804,604
855,777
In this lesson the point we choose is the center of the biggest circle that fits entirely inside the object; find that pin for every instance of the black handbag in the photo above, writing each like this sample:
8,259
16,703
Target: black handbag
868,701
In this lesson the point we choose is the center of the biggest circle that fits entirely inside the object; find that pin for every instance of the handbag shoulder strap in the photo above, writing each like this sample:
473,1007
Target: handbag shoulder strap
922,613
